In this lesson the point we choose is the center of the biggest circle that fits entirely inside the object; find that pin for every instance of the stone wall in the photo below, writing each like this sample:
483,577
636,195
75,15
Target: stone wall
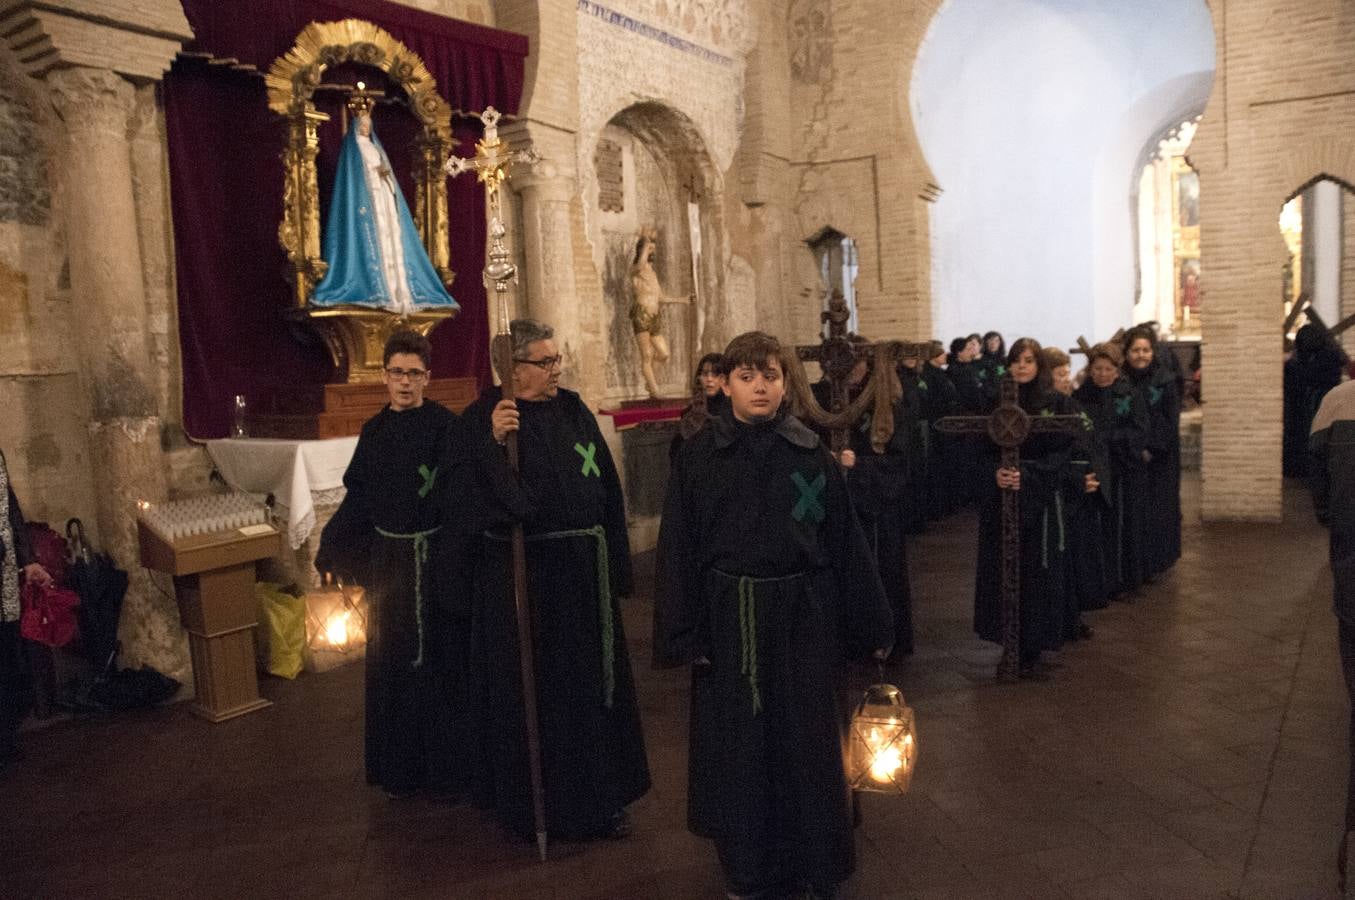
1281,115
43,432
854,162
638,62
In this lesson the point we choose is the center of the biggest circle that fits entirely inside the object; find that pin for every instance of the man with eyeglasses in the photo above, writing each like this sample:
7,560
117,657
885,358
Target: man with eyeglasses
567,496
388,535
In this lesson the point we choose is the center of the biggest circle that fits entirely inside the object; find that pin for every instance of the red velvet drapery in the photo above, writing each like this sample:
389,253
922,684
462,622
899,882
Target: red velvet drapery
226,180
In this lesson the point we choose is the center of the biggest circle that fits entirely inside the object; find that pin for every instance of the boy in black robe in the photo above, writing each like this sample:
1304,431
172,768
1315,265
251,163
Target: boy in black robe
567,496
764,580
389,536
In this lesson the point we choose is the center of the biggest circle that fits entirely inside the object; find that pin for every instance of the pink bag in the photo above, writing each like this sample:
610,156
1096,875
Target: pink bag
48,615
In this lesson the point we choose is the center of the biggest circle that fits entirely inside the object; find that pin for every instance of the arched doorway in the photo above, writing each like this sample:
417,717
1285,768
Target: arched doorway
653,175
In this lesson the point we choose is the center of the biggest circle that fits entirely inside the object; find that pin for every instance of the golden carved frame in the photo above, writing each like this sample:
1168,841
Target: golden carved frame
352,333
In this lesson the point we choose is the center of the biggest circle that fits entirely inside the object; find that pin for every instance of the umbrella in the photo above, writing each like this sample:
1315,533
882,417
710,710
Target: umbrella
101,586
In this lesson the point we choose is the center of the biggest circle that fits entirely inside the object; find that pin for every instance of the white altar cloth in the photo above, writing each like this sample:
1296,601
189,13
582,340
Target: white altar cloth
299,474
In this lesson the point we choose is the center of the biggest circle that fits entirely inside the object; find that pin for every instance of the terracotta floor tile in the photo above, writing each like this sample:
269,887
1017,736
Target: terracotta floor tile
1195,748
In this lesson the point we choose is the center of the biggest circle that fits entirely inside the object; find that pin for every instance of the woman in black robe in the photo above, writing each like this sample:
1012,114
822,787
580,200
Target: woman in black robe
1157,386
1313,370
1119,418
964,453
879,487
1039,482
937,399
707,400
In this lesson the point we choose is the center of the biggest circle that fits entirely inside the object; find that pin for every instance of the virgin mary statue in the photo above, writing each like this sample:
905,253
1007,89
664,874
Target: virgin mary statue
372,247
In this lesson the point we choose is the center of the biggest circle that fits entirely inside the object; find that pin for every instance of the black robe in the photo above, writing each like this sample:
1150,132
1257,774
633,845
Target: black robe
764,571
1119,417
1044,474
966,466
593,752
1162,528
1308,376
403,467
879,487
937,399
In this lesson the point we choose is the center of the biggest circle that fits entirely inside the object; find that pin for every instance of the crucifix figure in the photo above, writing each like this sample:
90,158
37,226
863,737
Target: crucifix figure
837,356
1009,426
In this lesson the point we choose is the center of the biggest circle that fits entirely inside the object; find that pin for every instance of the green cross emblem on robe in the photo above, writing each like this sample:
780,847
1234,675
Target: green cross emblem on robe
808,503
1154,394
1122,405
429,476
590,466
1000,371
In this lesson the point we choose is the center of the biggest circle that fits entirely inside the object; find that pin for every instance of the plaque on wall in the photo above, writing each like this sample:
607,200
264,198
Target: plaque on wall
611,187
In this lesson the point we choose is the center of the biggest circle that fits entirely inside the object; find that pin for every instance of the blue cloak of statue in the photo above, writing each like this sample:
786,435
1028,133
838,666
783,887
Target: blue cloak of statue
352,246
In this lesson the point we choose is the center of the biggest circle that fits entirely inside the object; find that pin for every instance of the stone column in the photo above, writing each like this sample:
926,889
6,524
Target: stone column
109,311
544,196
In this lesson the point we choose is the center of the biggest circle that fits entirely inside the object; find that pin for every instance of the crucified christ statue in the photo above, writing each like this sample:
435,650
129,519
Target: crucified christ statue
646,302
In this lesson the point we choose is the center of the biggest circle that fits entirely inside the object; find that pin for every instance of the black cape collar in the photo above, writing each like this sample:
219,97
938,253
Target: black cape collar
725,430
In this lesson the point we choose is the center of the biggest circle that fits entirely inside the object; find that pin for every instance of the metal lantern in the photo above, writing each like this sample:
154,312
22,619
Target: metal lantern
336,625
882,747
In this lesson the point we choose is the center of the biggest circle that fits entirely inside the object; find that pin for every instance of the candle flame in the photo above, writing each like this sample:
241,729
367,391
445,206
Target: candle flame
336,629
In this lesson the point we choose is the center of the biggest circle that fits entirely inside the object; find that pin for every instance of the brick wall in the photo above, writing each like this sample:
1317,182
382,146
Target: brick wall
1282,113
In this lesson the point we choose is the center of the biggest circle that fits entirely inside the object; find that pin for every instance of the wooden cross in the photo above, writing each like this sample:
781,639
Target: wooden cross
1086,349
1009,426
491,163
837,356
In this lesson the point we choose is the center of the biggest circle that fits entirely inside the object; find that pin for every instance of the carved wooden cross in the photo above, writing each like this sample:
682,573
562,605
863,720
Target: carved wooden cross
1009,426
837,356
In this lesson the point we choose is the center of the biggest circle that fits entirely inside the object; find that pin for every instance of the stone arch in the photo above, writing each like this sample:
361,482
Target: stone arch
665,164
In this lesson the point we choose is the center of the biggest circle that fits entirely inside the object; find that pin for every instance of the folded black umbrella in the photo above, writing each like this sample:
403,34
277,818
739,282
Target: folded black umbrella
101,586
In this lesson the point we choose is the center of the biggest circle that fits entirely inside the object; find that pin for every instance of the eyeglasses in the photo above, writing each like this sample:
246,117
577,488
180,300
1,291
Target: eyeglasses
401,374
545,364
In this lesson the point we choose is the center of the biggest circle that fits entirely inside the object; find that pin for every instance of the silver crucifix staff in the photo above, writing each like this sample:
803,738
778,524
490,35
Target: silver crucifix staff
490,164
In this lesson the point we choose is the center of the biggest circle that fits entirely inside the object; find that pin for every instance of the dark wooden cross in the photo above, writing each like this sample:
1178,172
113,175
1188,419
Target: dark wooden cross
837,356
1009,426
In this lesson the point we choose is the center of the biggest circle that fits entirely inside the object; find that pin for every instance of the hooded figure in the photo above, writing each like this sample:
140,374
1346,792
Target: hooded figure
373,249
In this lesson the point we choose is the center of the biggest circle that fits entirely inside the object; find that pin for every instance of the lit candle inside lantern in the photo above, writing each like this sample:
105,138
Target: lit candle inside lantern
336,629
883,743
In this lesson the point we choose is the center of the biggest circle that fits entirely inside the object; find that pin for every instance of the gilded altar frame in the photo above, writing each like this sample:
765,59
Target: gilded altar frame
355,335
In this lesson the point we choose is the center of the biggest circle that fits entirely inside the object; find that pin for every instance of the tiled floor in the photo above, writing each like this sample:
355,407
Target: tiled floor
1195,748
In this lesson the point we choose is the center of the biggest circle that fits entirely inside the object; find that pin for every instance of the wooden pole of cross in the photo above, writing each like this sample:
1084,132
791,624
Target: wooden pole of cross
491,164
1009,426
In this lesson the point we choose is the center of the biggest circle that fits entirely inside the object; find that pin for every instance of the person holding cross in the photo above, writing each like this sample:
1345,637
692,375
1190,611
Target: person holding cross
567,496
765,582
1039,479
388,536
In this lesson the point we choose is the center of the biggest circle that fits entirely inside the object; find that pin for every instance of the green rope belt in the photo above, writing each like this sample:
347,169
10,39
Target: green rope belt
748,637
420,541
748,628
605,621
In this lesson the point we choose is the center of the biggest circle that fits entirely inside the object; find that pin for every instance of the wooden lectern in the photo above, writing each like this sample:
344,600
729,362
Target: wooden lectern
214,582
